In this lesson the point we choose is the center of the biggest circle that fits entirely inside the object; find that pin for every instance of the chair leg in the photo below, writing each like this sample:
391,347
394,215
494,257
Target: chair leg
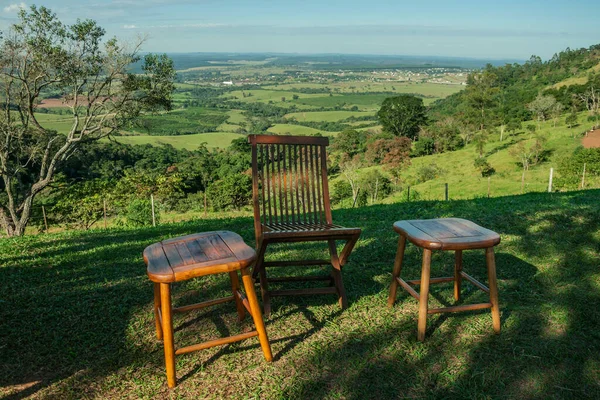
336,273
256,314
167,328
491,266
457,276
235,286
397,269
159,333
424,294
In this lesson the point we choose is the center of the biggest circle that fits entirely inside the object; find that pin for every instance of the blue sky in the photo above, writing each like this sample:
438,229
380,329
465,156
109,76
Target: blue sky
480,29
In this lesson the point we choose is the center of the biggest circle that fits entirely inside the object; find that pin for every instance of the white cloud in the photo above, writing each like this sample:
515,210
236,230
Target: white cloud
12,8
129,26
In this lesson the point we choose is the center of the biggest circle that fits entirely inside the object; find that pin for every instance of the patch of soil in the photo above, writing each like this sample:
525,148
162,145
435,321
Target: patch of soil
591,140
53,103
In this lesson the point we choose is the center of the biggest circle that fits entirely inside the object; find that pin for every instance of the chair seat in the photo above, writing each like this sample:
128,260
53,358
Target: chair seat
307,230
196,255
447,234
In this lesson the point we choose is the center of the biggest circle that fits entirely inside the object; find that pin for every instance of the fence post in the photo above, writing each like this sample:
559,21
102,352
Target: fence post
489,178
583,177
523,182
408,194
104,209
45,220
446,192
550,180
153,217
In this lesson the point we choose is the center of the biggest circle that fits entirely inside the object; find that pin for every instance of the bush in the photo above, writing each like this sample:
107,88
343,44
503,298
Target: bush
341,190
233,191
423,147
193,202
427,172
139,213
484,167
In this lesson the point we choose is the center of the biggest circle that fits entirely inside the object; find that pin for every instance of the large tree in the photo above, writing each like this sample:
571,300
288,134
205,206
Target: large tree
40,56
402,115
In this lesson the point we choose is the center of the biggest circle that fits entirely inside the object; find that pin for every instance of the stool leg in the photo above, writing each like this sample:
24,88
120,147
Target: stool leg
167,328
235,286
424,294
491,266
457,276
397,269
159,334
256,314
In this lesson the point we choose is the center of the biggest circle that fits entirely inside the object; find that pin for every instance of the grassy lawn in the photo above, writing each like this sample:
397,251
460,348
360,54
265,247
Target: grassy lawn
76,315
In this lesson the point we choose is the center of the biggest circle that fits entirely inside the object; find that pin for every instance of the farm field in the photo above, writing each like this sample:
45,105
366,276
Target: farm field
90,329
327,116
190,142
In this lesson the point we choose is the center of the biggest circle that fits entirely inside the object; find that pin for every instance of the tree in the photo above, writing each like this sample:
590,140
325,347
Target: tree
349,168
482,90
40,54
542,107
571,120
556,112
402,115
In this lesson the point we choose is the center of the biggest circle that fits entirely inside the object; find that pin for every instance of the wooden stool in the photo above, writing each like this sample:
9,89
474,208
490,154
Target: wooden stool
446,234
197,255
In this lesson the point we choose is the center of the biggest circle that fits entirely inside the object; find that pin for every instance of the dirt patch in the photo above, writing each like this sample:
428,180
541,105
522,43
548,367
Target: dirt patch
53,103
591,140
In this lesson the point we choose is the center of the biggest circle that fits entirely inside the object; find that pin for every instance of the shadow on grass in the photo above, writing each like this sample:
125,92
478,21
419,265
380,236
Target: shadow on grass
76,312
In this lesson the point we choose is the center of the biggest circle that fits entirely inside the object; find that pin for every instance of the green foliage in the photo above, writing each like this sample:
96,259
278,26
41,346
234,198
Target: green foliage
424,147
340,190
571,167
231,192
350,142
81,204
402,115
138,212
484,167
571,120
374,185
427,172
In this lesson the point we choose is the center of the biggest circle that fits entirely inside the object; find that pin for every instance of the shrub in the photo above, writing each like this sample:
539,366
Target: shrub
484,167
423,147
427,172
233,191
139,213
341,190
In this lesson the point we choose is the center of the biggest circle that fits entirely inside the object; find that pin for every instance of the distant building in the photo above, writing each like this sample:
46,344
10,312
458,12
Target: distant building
228,83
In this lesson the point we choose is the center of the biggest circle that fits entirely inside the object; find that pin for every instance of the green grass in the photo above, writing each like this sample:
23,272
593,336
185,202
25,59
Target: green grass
465,182
76,315
291,129
190,142
326,116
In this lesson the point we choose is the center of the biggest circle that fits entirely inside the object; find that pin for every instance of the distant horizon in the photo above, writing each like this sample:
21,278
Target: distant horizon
513,30
292,53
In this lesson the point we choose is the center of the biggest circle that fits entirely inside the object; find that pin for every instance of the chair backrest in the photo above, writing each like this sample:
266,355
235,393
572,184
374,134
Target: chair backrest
289,181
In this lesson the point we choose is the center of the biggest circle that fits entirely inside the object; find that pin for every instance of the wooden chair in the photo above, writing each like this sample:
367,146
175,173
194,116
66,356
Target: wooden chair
454,234
291,204
193,256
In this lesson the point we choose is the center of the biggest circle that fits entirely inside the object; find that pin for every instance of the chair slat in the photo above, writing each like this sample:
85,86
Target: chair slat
262,183
318,180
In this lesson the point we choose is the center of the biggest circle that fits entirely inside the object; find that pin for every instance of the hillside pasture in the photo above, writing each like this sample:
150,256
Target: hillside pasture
190,142
291,129
326,116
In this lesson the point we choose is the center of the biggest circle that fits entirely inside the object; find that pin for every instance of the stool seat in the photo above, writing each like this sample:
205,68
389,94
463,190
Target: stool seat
200,254
447,234
455,234
193,256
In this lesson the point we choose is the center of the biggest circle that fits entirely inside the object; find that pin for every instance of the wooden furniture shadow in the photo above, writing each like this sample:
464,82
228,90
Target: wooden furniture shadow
446,234
193,256
290,196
